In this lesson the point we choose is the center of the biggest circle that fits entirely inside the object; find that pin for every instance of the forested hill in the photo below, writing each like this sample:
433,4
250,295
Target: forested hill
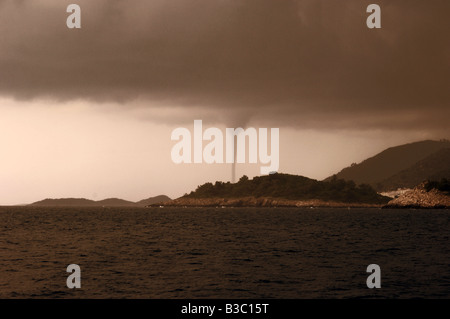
402,166
434,167
291,187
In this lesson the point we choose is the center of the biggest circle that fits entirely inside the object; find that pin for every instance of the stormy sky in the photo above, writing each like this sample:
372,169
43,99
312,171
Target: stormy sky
88,112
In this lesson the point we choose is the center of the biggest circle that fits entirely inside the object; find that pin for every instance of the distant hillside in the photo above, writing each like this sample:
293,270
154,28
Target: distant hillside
110,202
379,169
114,202
80,202
434,167
153,200
290,187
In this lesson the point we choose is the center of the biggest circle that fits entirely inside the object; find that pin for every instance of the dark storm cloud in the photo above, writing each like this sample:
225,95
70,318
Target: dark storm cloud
310,63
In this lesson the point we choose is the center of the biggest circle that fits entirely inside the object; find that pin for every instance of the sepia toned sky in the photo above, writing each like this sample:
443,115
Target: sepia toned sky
89,112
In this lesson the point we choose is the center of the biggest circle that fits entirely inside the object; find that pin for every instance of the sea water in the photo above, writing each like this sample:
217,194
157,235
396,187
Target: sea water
223,252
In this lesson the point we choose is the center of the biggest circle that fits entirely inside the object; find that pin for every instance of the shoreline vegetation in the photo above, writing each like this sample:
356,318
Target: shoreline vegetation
283,190
258,202
280,190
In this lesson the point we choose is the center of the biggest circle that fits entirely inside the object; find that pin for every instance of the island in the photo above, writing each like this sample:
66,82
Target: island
280,190
109,202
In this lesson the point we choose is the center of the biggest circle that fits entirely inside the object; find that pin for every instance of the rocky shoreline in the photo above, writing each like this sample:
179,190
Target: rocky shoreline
419,197
258,202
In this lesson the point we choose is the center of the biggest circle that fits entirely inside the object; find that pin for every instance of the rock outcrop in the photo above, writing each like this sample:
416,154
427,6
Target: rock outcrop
419,197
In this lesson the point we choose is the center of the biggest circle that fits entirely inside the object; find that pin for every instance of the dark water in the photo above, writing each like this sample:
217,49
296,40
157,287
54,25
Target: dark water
223,253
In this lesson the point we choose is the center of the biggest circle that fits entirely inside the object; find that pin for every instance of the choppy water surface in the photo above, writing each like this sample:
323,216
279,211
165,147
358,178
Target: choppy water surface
223,253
